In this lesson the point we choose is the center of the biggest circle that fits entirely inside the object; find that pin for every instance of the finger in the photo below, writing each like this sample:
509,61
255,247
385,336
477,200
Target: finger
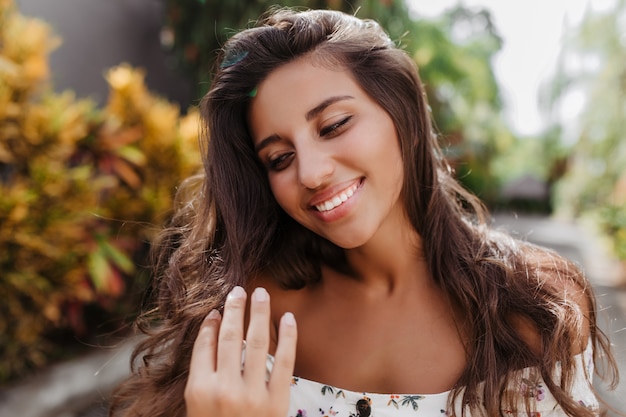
284,358
204,348
257,338
231,333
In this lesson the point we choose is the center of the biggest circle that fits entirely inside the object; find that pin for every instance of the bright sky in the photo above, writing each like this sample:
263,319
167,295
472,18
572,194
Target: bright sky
532,31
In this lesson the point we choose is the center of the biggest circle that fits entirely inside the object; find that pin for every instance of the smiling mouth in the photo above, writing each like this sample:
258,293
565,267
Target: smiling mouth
337,200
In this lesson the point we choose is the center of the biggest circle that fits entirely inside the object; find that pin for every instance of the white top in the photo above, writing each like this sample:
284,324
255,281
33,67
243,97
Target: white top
314,399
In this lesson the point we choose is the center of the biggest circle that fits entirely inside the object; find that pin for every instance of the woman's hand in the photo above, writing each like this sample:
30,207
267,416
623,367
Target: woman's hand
217,385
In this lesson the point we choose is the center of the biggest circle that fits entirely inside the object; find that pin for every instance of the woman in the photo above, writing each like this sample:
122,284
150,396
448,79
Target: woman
325,189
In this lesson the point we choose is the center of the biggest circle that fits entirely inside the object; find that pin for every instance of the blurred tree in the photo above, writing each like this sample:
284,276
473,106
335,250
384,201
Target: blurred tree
454,54
196,29
79,189
542,159
594,64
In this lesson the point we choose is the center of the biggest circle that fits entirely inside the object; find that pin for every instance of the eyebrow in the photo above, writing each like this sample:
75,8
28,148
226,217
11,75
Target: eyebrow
308,116
323,105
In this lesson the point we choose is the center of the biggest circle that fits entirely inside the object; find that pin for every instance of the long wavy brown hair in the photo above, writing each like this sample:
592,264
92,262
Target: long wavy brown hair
227,227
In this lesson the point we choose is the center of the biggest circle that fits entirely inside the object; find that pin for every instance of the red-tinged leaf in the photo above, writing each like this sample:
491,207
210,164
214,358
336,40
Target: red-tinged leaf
74,316
123,138
126,172
115,283
105,164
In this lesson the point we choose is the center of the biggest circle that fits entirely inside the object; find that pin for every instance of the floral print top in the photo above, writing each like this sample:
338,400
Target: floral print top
314,399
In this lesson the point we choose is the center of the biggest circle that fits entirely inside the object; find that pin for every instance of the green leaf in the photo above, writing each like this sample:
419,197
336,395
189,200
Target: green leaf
99,269
119,258
132,154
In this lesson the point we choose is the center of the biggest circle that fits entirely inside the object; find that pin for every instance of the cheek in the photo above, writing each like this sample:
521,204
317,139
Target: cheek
385,155
398,163
391,164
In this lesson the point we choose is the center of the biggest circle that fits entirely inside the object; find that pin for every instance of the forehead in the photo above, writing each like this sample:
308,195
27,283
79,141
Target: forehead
308,75
293,89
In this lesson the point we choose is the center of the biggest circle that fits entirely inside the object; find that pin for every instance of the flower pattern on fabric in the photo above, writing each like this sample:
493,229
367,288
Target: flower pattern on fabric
396,401
314,399
327,389
533,389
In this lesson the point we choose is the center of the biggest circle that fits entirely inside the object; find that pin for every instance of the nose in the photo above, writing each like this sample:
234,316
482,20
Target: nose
315,166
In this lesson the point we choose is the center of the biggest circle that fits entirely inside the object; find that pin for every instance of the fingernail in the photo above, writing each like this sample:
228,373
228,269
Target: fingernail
237,292
213,315
260,294
289,319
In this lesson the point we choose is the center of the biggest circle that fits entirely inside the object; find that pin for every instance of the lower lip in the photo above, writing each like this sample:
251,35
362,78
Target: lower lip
341,210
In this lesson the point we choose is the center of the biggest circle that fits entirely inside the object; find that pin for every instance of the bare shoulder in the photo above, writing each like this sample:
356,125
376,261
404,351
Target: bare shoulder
571,293
281,300
281,297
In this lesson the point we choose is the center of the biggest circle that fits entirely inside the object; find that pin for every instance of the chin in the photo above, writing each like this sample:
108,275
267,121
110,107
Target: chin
347,244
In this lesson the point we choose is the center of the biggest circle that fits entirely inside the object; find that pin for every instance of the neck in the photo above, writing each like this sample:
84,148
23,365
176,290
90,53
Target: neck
391,259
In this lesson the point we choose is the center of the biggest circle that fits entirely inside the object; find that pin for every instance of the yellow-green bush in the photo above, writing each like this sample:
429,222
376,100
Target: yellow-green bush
81,189
613,218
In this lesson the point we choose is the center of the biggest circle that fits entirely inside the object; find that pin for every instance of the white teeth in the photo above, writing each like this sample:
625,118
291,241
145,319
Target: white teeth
337,200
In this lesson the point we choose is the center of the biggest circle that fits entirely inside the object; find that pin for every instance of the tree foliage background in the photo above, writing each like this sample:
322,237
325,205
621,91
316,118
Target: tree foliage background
593,63
81,192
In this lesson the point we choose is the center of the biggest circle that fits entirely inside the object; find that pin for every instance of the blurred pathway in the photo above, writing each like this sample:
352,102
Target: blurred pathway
81,388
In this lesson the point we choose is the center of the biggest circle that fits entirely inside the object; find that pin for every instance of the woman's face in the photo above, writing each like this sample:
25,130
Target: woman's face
331,152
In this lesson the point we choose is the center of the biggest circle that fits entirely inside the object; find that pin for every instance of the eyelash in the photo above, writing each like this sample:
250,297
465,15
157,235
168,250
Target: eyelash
335,128
276,164
330,131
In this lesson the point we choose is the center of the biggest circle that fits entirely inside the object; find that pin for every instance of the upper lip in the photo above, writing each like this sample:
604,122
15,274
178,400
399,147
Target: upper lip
332,191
